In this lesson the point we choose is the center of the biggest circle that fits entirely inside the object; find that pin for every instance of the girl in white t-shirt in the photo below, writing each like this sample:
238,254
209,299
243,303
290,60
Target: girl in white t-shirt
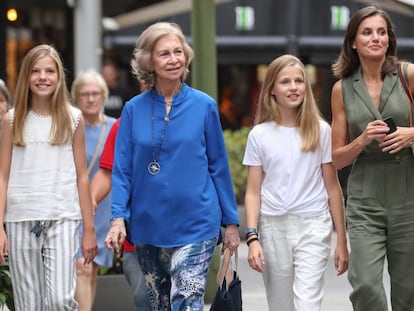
293,193
44,187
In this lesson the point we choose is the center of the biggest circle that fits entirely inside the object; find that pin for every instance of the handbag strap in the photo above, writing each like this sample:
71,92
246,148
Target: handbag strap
98,146
226,269
407,90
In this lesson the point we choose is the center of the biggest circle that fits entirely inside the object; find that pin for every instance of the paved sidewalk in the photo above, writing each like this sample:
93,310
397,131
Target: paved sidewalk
337,288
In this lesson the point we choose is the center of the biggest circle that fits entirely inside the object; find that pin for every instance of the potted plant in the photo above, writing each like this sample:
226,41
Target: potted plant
6,289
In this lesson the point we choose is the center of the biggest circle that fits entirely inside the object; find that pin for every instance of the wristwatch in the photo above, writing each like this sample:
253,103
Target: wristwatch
250,230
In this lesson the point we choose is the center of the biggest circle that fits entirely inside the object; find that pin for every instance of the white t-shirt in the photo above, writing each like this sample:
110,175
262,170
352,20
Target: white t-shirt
292,179
42,183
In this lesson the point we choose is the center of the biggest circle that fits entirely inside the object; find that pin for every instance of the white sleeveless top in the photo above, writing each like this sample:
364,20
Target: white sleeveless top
42,182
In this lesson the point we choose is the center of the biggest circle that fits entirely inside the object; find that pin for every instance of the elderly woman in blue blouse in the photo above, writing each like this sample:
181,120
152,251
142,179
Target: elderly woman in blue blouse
171,179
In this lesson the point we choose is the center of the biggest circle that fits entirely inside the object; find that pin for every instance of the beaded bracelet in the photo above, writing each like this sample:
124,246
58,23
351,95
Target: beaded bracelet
252,240
251,234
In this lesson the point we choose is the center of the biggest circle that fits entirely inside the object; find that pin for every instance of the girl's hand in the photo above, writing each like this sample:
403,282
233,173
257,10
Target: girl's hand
3,246
341,259
89,245
256,257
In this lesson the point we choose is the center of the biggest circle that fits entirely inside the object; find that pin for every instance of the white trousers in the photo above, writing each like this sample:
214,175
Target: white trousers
296,251
43,268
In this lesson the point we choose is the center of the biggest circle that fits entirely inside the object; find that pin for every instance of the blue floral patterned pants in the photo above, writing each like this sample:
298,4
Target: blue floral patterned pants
176,277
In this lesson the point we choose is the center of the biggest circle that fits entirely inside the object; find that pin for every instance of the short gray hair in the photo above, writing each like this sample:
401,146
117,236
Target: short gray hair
89,76
141,66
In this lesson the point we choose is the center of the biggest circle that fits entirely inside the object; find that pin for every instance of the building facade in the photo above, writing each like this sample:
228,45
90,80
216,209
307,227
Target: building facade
249,35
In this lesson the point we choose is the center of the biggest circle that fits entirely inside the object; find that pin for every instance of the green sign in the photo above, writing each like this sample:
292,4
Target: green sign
339,17
244,18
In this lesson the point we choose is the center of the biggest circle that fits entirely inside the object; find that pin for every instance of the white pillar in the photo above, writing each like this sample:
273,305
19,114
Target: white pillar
88,35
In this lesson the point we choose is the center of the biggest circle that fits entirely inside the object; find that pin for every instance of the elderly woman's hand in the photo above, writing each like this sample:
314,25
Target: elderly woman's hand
231,238
116,235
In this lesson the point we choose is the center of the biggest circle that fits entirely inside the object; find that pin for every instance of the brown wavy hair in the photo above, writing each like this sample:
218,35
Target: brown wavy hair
348,61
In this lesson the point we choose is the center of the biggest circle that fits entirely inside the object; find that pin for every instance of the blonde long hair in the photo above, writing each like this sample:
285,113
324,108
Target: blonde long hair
61,131
308,117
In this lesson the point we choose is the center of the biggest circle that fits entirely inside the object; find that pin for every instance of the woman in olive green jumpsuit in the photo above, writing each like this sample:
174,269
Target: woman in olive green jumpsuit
380,196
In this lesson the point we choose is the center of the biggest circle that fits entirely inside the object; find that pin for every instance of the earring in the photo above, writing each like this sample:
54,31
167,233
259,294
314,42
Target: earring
354,47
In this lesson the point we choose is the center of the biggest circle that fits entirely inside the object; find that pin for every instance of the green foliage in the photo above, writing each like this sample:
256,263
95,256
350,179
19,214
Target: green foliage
6,289
235,144
116,267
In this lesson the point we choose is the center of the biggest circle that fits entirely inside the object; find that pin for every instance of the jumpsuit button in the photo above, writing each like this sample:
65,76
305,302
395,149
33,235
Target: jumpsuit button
397,157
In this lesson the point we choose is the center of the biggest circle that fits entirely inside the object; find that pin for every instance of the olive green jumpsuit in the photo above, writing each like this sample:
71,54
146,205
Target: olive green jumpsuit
380,202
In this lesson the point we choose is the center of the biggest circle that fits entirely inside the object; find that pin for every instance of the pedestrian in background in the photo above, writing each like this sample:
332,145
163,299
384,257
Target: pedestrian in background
118,93
100,187
380,201
293,192
5,101
44,187
171,182
89,92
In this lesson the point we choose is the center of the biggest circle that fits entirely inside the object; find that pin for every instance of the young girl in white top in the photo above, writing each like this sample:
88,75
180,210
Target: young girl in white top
292,191
44,187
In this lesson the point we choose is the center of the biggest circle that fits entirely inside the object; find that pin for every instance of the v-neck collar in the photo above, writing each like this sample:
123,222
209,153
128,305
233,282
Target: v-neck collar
362,91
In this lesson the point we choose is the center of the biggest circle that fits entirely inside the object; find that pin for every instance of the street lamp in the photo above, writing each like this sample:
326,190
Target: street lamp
12,15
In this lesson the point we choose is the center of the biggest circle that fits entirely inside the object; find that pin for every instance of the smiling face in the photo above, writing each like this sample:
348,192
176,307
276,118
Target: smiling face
372,39
44,77
289,88
168,58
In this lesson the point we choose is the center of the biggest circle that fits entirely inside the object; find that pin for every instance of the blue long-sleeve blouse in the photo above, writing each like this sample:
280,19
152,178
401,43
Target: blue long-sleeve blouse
192,195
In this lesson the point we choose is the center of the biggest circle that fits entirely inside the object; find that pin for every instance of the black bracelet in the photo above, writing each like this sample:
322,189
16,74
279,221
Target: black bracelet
252,240
251,237
251,234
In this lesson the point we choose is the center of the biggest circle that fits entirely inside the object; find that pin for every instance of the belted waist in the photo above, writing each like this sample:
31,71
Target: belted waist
385,156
